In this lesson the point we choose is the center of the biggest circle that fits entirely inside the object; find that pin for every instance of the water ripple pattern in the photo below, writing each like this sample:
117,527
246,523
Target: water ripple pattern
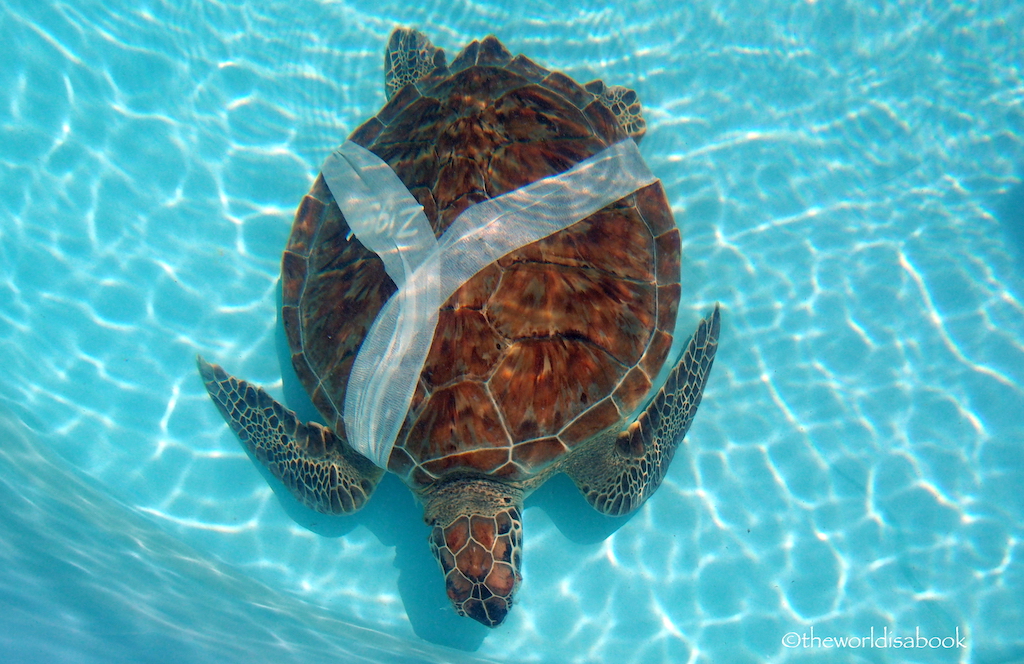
848,179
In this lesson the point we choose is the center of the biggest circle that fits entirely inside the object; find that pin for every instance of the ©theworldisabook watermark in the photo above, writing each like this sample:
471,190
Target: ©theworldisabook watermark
885,639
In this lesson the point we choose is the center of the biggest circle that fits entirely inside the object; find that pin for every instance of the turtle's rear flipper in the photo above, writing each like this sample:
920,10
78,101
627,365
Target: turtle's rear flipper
409,57
320,469
624,105
618,474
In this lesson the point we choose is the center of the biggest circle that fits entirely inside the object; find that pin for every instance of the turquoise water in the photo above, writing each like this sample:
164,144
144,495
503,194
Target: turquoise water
848,179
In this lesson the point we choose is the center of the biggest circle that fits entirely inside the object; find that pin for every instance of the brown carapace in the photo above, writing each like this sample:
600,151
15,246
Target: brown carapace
538,361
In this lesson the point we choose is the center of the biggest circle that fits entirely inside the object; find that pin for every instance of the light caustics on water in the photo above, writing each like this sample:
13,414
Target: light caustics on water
839,190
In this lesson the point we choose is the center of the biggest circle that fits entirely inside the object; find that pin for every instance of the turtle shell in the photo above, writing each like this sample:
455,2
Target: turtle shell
539,351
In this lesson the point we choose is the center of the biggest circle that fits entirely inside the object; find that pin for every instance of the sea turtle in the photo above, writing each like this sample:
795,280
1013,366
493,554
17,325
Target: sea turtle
538,362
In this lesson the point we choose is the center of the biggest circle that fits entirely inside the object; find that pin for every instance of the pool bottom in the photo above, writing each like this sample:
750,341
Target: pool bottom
86,579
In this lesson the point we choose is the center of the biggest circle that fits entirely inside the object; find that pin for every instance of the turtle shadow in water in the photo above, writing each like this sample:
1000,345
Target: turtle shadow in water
1009,210
395,518
568,510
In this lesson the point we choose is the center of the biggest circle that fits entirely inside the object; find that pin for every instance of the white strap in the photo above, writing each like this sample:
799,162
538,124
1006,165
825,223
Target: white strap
388,220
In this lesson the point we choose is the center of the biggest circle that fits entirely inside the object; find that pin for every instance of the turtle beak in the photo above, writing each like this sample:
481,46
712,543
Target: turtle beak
480,558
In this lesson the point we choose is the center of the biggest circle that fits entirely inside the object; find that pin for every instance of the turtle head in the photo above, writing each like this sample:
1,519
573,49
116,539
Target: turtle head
477,539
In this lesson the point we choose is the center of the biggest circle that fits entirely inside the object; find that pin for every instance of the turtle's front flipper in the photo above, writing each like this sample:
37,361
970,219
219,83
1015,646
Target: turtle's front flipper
320,470
618,474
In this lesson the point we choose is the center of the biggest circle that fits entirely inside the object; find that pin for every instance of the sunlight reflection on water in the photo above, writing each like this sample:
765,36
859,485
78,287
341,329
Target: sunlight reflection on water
855,460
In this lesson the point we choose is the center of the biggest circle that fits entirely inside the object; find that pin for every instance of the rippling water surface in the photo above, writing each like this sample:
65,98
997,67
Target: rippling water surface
848,179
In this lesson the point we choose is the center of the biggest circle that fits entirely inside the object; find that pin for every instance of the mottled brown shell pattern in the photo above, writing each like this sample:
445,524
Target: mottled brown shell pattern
541,350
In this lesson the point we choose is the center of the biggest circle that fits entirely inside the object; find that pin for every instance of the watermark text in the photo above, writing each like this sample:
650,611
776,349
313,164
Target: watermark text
873,639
